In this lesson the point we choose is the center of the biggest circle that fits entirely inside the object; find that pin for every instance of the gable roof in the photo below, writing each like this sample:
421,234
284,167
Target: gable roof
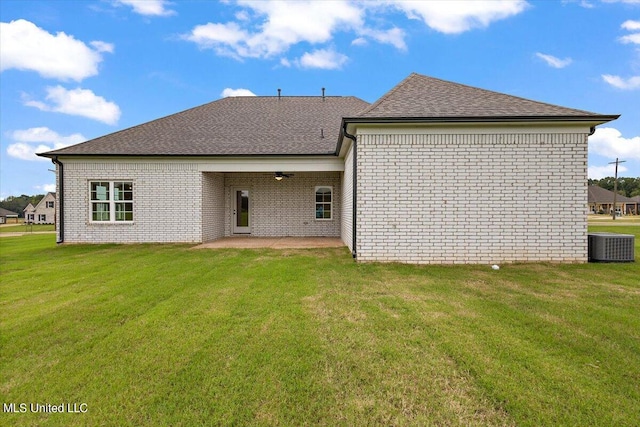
602,195
235,126
47,197
422,97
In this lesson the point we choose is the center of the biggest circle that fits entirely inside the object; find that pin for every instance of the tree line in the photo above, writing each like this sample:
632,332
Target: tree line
629,187
18,203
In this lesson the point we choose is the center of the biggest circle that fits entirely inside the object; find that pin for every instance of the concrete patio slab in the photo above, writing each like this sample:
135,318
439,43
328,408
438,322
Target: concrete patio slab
245,242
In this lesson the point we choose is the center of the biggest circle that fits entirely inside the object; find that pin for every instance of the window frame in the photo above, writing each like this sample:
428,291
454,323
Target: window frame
42,217
323,203
49,204
116,201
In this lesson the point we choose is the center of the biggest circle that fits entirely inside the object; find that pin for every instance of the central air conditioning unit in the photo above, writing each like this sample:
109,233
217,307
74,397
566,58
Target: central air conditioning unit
611,247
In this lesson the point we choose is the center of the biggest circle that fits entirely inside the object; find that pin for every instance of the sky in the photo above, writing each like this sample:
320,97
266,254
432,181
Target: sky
71,71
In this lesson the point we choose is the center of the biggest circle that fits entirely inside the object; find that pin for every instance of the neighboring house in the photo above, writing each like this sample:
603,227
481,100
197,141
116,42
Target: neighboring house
43,213
29,216
600,201
432,172
6,216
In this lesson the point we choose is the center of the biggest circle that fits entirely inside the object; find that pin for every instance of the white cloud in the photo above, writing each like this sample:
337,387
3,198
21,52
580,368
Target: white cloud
394,37
265,29
285,62
38,140
326,59
360,41
599,172
625,84
454,17
631,25
609,142
24,46
102,46
49,188
148,7
631,38
554,62
228,92
78,102
282,24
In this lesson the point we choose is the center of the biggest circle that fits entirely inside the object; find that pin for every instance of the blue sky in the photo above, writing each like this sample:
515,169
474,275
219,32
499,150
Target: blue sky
75,70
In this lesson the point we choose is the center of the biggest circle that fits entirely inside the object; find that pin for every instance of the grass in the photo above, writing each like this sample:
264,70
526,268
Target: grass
166,335
22,228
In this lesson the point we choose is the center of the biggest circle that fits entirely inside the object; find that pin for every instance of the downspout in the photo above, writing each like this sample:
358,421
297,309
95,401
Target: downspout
60,166
354,208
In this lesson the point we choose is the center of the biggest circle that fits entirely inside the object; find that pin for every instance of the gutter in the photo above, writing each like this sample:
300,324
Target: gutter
60,191
482,119
354,190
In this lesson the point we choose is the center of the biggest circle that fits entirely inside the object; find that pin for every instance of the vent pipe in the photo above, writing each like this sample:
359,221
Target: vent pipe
279,90
323,94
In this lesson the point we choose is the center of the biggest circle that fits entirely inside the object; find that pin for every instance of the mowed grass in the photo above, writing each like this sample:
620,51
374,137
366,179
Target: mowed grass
166,335
21,228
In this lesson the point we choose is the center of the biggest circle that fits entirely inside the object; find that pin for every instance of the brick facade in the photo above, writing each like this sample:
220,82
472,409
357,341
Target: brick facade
167,201
176,202
477,197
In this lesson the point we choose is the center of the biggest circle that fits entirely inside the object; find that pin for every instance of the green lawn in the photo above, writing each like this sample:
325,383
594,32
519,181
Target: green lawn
21,228
165,335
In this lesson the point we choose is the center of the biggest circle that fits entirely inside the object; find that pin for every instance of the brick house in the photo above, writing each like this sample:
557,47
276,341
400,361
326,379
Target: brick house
44,212
414,177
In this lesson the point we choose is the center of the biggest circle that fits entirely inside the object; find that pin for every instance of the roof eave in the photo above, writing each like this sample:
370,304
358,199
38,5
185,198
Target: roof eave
52,155
483,119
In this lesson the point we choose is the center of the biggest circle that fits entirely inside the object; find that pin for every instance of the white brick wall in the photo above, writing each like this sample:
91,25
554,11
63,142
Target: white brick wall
176,202
167,202
286,207
347,200
472,198
213,206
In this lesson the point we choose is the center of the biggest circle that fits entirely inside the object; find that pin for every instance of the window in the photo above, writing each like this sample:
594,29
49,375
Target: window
111,201
42,218
30,217
49,204
324,199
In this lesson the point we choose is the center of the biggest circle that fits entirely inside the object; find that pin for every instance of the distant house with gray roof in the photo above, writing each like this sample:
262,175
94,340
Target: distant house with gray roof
600,201
7,216
432,172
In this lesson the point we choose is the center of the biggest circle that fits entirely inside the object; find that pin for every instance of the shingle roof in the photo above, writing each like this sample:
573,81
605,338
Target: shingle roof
6,212
602,195
233,126
420,96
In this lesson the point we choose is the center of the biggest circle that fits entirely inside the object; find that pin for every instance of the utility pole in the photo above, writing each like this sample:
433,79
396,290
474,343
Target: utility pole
615,186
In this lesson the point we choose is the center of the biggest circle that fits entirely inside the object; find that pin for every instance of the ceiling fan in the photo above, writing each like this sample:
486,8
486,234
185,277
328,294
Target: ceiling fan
280,175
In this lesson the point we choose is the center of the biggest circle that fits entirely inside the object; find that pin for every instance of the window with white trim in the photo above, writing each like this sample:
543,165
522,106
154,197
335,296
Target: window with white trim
49,204
42,217
324,202
111,201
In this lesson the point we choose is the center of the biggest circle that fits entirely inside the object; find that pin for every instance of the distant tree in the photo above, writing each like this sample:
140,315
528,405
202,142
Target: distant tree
626,186
18,203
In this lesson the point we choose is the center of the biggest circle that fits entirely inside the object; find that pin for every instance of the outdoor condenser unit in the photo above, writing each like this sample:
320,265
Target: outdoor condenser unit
611,247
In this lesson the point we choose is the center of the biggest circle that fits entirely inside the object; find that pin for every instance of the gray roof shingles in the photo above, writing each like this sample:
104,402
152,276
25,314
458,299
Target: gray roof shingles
602,195
233,126
263,126
420,96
